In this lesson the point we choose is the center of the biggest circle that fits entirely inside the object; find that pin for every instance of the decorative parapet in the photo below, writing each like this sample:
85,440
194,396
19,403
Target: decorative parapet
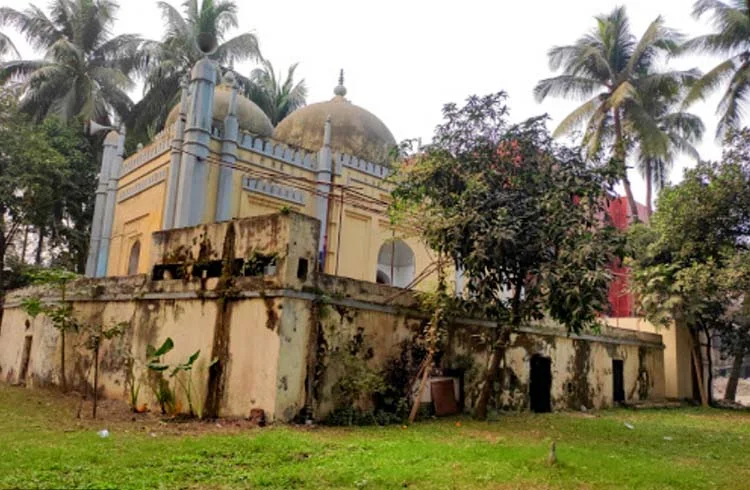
373,169
142,184
161,144
273,190
307,160
279,151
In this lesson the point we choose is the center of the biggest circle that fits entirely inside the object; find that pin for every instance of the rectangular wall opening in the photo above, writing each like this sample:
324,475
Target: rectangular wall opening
540,385
618,381
25,356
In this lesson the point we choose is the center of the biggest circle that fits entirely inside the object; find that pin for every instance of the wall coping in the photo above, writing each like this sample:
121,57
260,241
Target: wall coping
608,335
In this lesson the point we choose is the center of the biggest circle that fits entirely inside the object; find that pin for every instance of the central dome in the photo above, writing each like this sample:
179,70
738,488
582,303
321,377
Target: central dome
250,117
354,130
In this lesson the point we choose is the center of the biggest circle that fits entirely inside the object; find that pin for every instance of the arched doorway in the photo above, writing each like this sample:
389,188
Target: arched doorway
135,256
396,265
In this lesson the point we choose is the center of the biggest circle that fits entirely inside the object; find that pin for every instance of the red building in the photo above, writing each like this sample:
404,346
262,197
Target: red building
620,299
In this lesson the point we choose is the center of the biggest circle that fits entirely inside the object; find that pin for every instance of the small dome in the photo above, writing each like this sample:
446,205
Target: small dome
251,118
354,130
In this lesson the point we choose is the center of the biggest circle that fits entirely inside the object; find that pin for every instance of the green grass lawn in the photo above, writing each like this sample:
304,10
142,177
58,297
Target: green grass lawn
43,445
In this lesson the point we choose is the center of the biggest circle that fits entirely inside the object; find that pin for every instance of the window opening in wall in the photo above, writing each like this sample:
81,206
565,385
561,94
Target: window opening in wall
302,266
396,264
618,381
540,386
135,256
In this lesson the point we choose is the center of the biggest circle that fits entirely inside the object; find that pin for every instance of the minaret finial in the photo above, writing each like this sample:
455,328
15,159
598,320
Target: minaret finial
340,90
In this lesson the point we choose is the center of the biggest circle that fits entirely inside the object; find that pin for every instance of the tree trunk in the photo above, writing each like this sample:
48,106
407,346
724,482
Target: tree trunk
734,374
39,247
96,379
480,411
24,248
621,156
649,184
432,340
698,366
2,268
63,380
710,359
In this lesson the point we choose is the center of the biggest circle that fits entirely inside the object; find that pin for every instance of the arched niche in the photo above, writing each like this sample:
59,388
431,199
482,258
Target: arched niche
396,264
135,256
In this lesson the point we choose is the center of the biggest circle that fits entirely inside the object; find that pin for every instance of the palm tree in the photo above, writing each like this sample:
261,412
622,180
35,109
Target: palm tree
679,131
84,72
278,97
7,47
609,68
731,21
169,60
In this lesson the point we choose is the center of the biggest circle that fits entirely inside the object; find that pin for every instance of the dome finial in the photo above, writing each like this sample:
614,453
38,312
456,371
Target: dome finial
340,90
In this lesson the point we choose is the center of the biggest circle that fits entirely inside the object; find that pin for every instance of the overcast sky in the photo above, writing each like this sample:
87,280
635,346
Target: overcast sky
404,59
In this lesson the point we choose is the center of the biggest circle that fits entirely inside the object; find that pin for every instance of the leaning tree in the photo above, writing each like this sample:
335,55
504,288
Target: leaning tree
520,214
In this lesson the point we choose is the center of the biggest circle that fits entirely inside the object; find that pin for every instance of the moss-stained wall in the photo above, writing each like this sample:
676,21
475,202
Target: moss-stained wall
284,339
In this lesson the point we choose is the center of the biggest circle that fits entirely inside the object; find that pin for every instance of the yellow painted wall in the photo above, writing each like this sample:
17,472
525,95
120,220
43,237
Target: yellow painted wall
677,367
362,233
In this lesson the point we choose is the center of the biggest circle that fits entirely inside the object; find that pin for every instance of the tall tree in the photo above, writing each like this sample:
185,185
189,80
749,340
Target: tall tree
7,48
73,199
277,96
84,71
29,168
687,264
166,62
519,214
730,40
609,68
678,130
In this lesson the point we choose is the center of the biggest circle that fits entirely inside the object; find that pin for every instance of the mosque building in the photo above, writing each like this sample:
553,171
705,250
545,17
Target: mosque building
271,252
219,158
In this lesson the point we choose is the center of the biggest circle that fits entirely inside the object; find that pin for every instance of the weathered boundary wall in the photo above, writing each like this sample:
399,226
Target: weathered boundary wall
246,293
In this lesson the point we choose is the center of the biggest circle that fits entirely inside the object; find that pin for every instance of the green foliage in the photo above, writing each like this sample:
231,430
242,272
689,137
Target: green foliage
83,71
182,374
29,167
677,449
357,381
730,41
132,381
159,385
628,99
170,60
276,96
520,215
690,266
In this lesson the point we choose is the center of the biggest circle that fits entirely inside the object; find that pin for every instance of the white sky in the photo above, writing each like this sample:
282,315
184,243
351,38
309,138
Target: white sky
404,59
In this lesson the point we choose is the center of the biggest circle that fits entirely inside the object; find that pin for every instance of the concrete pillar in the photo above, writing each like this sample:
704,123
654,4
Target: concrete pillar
109,207
191,197
228,155
175,159
108,155
325,172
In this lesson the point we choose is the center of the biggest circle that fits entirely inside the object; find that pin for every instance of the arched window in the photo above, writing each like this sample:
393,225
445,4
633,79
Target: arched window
396,265
135,255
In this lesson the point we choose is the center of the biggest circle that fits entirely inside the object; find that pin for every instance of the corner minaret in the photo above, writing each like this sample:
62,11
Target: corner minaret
108,219
175,158
109,154
228,154
191,197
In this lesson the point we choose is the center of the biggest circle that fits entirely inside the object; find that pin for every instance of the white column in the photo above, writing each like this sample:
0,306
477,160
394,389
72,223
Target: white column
109,207
228,155
108,154
175,160
325,170
191,197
